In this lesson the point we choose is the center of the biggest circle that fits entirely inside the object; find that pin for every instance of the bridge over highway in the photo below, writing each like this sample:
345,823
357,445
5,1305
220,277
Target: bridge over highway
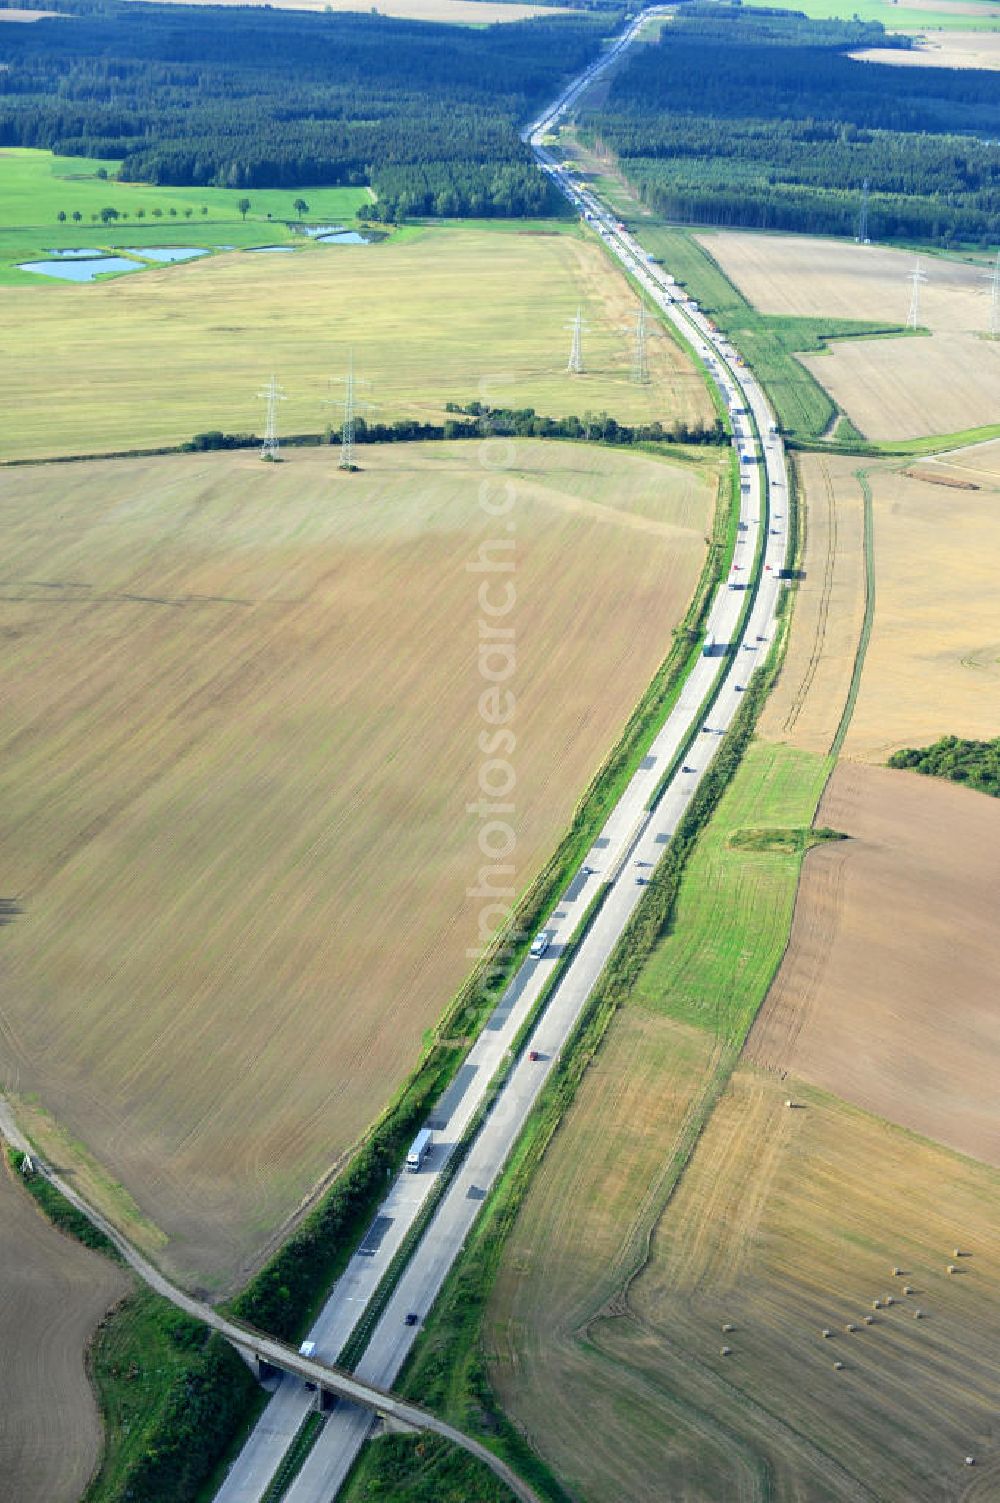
263,1352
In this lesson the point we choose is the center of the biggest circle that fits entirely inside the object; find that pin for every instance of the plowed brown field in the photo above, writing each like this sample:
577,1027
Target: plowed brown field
241,737
53,1291
888,995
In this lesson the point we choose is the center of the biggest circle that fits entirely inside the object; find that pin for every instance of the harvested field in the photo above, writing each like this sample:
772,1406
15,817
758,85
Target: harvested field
977,465
933,663
433,315
579,1233
935,645
786,1223
449,12
941,49
888,993
53,1292
241,736
889,388
806,704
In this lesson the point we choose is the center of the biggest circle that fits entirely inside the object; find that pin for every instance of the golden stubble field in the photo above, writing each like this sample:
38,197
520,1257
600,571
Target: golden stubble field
447,12
888,993
933,663
240,738
52,1294
890,388
941,49
434,315
786,1224
806,703
932,666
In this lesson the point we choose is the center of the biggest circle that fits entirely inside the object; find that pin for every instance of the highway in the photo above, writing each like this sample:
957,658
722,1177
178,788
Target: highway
620,861
256,1346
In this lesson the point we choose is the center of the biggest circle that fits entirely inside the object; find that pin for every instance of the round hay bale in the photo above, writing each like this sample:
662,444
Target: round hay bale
838,1367
889,1300
727,1327
907,1288
896,1272
918,1315
826,1331
952,1268
869,1320
876,1304
850,1326
726,1351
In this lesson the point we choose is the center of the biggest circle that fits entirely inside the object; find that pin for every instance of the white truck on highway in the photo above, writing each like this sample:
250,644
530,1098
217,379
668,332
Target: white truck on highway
419,1149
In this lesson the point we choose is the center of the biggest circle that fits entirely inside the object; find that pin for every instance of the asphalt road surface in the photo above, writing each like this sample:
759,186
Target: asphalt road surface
623,857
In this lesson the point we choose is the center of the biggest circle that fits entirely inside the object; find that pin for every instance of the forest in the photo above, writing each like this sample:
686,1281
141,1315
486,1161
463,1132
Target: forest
428,115
805,127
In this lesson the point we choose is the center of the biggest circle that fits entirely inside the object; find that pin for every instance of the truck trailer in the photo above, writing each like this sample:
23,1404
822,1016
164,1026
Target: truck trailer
419,1149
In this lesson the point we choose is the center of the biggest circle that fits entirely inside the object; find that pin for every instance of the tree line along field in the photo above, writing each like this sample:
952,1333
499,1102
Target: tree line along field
418,312
237,807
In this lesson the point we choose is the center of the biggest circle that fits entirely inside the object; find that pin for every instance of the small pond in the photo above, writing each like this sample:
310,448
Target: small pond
342,237
81,253
316,230
166,252
80,271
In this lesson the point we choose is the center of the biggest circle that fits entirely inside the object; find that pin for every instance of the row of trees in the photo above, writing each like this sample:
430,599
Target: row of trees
476,421
108,215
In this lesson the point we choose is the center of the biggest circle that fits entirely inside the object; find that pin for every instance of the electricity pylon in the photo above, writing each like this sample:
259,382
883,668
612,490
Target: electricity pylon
272,395
575,364
916,277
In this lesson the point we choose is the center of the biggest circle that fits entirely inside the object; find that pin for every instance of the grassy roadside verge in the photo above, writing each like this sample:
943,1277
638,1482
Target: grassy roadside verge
447,1367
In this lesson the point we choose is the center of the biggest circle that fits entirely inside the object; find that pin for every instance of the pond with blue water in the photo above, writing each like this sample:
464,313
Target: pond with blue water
166,252
80,271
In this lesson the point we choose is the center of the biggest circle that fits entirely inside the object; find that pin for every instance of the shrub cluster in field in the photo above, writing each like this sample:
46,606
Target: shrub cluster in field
975,763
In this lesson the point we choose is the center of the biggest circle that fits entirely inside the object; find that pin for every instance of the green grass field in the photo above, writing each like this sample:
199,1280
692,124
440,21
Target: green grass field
734,909
36,186
900,17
